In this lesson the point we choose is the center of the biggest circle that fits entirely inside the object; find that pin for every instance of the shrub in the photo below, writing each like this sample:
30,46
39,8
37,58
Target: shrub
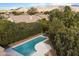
46,12
32,11
17,12
11,32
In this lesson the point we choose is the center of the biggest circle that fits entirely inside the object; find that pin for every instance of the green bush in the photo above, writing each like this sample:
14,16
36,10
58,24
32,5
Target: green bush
11,32
46,12
17,13
32,11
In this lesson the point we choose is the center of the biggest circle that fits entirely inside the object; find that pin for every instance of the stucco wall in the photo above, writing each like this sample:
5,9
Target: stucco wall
2,52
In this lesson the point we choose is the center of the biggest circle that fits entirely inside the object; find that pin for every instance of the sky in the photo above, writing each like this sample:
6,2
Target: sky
6,6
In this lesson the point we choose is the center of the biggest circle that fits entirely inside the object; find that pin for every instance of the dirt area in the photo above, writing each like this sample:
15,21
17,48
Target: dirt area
27,18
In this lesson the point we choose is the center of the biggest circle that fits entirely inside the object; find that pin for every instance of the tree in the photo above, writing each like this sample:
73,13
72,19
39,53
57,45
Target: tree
76,16
63,29
55,25
68,17
44,24
67,11
55,13
55,29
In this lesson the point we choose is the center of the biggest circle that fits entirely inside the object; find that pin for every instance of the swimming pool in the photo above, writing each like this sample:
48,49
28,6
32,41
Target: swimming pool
28,48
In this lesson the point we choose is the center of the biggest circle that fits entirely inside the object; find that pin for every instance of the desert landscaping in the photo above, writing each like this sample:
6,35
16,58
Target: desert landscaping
25,17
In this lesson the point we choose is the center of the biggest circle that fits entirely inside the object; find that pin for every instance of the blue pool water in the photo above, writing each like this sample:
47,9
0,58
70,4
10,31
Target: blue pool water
28,48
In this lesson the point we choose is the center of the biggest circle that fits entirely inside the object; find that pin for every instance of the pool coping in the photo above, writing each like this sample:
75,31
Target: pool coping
26,41
43,42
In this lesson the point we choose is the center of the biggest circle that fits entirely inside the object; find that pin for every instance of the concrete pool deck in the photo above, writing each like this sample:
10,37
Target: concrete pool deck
42,48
